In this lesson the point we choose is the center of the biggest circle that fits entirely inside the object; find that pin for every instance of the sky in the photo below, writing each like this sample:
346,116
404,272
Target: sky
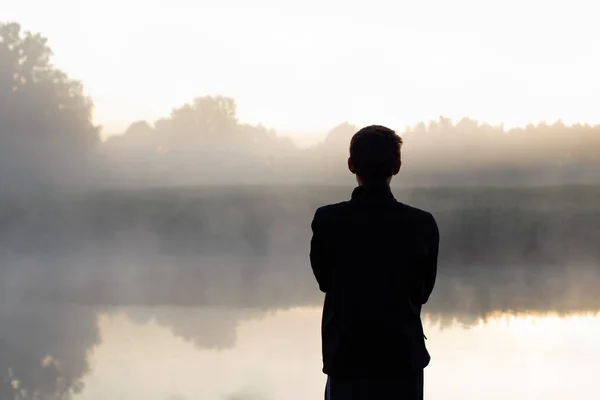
302,67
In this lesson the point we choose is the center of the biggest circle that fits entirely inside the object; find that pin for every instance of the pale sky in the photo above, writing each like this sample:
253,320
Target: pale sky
305,66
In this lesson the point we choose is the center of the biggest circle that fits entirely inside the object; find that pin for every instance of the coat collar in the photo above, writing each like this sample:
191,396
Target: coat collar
373,193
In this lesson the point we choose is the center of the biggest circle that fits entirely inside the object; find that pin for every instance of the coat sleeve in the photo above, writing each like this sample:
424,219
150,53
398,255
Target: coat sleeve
432,243
318,254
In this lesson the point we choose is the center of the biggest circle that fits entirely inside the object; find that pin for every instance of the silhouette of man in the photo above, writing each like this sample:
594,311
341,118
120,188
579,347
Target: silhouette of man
375,259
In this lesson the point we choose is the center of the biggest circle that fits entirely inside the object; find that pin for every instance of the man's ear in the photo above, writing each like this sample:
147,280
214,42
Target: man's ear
351,166
397,167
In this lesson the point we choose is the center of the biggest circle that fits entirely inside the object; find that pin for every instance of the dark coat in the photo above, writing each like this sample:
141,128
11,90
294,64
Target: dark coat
376,261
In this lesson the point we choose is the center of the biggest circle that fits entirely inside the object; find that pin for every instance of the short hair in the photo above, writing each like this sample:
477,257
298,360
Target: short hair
375,152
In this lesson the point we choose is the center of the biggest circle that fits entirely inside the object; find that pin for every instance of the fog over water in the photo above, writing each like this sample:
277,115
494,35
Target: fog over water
203,262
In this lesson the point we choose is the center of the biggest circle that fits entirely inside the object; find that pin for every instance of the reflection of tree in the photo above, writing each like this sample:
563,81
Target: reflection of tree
205,327
43,350
248,394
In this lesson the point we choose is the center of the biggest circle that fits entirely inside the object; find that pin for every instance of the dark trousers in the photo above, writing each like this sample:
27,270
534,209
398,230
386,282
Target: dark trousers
406,387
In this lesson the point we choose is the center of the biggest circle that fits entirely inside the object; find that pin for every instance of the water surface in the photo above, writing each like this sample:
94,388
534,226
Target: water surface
276,355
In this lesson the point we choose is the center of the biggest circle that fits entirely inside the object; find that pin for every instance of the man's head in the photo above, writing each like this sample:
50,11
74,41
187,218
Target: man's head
375,154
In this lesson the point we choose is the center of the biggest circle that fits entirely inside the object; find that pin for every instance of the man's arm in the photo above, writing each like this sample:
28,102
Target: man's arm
432,243
318,255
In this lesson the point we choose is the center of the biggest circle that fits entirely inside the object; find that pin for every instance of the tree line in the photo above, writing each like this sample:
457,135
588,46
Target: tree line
48,140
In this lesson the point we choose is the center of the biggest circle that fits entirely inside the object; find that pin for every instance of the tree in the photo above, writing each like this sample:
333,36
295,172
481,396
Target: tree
206,120
46,136
45,120
340,136
203,135
138,137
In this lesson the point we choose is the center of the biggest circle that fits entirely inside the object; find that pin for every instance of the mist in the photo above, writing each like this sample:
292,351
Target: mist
182,150
198,221
201,260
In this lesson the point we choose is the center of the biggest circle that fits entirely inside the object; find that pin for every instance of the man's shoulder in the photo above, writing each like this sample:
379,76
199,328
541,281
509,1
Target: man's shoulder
334,208
331,209
414,211
424,220
327,214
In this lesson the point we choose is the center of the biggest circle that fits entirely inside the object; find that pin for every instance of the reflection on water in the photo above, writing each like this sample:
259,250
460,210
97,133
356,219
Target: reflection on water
276,355
68,259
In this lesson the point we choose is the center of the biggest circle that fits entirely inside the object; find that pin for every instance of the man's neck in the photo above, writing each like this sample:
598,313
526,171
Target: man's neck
373,192
386,182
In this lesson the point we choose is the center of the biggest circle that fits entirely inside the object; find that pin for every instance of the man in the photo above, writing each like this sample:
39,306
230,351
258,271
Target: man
376,261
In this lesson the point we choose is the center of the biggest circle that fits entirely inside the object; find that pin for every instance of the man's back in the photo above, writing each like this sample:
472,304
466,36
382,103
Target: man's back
376,260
